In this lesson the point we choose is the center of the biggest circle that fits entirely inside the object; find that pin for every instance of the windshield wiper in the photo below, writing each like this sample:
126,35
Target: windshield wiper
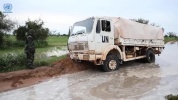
80,33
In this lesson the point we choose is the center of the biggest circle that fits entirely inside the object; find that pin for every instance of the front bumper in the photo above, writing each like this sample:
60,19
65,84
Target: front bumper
96,59
88,57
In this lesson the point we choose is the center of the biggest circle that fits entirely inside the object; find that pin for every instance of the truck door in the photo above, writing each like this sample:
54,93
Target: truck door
104,35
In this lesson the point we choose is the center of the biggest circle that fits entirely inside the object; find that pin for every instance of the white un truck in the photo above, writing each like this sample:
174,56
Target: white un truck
110,41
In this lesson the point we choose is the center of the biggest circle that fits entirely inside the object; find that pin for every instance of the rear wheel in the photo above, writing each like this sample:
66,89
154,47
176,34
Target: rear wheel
111,63
150,56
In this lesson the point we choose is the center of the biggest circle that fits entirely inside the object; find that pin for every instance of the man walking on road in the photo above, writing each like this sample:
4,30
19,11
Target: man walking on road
30,49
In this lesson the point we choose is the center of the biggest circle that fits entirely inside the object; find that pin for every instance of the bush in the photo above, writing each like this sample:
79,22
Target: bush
19,44
10,61
1,39
171,97
41,63
41,33
21,33
7,44
39,44
166,36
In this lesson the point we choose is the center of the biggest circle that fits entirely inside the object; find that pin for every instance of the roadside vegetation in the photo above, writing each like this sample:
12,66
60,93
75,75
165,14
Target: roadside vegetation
14,62
171,97
12,56
169,39
170,36
12,42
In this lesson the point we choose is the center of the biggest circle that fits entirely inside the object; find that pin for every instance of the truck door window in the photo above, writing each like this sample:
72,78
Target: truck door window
98,29
106,26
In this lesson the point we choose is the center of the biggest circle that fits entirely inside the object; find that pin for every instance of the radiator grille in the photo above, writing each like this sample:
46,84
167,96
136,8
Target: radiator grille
78,46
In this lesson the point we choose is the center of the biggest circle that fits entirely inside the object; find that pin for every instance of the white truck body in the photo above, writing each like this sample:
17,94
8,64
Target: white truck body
97,38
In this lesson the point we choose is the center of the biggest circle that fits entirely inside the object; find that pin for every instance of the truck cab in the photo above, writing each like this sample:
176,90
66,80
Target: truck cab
89,38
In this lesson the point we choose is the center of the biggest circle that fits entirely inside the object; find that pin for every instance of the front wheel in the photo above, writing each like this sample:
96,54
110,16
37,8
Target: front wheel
111,63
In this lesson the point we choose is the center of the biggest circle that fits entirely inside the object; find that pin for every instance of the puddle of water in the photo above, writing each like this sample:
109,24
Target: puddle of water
55,51
168,60
55,91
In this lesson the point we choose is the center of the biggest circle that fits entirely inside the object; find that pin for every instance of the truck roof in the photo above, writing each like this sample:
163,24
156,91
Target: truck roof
126,28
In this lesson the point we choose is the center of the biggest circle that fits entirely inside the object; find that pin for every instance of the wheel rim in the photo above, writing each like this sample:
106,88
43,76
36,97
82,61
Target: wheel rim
112,64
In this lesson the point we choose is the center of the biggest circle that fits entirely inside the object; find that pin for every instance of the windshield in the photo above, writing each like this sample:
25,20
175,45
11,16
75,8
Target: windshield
83,27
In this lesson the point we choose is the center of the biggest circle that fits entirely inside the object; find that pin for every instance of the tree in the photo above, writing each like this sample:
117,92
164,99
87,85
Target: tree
144,21
6,25
140,20
41,33
20,33
166,35
171,34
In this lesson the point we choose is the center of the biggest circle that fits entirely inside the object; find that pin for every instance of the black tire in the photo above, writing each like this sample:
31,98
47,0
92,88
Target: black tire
150,56
108,63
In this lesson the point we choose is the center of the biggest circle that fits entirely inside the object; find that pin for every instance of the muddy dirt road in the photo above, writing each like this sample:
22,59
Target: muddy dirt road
133,81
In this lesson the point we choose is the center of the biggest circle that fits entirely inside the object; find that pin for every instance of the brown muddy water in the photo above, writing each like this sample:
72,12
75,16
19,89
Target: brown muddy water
134,81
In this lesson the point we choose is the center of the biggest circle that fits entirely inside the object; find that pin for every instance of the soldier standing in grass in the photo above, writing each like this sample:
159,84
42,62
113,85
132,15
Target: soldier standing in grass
30,49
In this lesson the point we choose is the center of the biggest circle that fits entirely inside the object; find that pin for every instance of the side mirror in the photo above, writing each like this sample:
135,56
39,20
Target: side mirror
70,28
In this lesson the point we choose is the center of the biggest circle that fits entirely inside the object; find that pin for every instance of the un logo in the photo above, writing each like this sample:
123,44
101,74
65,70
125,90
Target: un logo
7,7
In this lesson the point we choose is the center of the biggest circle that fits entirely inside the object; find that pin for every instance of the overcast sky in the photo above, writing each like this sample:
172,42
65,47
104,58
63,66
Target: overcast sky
60,14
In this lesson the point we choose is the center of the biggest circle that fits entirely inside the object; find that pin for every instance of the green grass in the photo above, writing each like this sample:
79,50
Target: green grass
53,41
15,49
57,40
11,62
168,39
10,37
